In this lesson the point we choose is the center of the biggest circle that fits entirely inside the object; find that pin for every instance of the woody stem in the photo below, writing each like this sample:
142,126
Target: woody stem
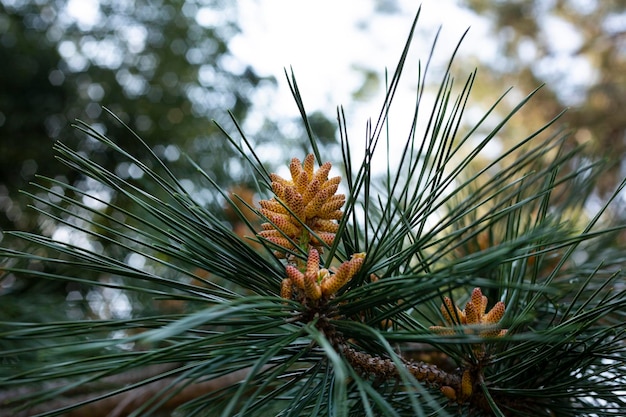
382,368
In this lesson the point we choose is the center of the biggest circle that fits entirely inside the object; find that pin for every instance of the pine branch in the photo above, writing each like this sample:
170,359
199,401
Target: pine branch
501,270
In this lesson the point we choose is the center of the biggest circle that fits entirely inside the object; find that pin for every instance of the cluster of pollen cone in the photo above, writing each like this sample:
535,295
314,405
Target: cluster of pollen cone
303,216
302,219
316,282
305,203
474,316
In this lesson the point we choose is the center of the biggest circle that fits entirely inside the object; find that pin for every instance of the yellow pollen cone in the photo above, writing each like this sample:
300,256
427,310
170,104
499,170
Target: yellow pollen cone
286,288
311,288
466,385
471,314
448,392
309,165
296,277
495,314
295,168
313,263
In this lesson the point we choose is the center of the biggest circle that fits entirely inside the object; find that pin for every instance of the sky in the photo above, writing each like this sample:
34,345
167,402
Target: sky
328,51
333,45
331,53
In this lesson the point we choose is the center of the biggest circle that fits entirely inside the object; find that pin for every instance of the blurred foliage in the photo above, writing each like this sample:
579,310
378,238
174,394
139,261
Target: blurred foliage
163,67
220,332
160,67
578,49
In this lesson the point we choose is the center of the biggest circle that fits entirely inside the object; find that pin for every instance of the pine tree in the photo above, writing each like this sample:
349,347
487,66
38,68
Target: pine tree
436,288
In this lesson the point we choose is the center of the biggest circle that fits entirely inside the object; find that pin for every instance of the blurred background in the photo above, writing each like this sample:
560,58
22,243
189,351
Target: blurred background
169,68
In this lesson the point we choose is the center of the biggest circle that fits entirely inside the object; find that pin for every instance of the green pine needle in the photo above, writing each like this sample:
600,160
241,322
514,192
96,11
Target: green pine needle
439,224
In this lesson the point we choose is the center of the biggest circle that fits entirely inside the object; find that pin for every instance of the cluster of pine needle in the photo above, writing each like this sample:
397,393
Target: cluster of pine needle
437,286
